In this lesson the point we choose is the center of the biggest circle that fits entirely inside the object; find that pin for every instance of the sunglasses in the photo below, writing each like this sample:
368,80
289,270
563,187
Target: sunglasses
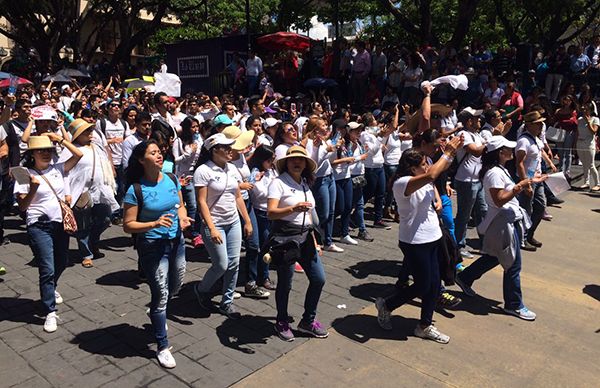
115,105
289,129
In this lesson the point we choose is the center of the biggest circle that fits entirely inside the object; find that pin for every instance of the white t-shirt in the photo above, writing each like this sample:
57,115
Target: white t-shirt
493,96
3,134
419,223
265,139
357,168
468,170
260,192
533,153
128,145
243,173
393,150
584,133
372,145
289,193
496,178
281,150
185,158
408,72
113,131
222,188
44,205
321,157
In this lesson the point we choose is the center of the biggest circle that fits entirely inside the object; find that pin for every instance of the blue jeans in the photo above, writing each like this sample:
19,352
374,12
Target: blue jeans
565,152
534,206
163,261
252,245
343,188
95,219
120,181
358,204
252,84
390,172
511,282
313,268
324,192
225,259
469,197
422,261
50,246
446,214
188,194
375,187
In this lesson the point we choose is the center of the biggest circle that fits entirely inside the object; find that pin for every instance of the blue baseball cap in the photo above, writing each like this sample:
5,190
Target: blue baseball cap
222,119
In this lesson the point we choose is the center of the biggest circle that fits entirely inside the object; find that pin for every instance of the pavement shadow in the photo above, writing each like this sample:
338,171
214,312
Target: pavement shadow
20,310
477,305
242,333
14,224
363,269
371,291
196,255
118,341
125,278
361,328
592,290
119,242
19,238
184,305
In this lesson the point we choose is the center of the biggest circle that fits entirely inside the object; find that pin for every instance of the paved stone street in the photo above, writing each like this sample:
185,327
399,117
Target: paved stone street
105,340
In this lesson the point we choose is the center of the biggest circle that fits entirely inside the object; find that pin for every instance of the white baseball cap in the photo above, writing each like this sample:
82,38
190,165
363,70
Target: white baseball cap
217,139
271,122
471,111
497,142
44,112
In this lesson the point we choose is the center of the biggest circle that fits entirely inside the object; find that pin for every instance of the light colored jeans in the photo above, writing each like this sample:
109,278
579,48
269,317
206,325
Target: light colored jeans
553,83
565,152
469,197
587,153
225,259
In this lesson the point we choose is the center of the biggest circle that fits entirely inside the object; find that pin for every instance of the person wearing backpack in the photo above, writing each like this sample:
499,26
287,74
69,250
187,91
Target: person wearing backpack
115,130
155,213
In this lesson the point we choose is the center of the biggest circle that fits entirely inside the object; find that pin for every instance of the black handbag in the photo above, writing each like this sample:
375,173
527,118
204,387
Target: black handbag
448,254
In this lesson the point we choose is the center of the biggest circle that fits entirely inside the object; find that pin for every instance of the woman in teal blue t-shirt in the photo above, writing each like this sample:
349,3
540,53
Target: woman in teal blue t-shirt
157,220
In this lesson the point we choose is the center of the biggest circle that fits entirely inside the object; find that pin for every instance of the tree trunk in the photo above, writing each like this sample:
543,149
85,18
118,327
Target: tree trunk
466,12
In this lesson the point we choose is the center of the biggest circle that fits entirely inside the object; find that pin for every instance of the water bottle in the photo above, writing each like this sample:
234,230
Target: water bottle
255,171
13,82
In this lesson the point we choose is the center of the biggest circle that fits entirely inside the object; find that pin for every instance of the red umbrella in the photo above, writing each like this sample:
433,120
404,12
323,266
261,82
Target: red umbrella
5,83
284,41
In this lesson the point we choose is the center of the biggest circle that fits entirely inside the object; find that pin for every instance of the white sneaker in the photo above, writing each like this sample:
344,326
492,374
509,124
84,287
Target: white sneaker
236,295
431,333
57,298
333,248
523,313
50,325
348,240
165,358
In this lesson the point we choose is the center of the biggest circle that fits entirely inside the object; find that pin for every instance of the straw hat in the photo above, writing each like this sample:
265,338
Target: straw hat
242,139
39,143
77,127
296,152
533,117
413,122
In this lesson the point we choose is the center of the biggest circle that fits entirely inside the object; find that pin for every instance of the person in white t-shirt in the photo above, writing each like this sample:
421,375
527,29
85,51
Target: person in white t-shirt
469,192
587,130
420,238
504,214
285,137
40,200
219,201
529,154
289,206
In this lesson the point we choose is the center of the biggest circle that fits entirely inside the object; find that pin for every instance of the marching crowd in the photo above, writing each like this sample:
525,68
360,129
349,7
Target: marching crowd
270,175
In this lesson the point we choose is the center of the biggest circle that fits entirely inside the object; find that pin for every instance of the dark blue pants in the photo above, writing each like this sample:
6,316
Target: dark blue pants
343,203
423,263
253,244
375,188
121,186
358,204
50,245
511,282
313,268
390,172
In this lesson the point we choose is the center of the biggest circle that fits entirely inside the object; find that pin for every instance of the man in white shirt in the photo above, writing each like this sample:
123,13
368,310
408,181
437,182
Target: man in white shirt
143,121
254,66
529,153
115,130
65,99
469,190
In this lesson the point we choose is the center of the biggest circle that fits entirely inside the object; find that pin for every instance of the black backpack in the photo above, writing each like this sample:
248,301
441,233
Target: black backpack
103,126
137,189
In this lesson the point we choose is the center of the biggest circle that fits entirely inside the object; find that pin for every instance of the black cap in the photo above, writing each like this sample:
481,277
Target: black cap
339,123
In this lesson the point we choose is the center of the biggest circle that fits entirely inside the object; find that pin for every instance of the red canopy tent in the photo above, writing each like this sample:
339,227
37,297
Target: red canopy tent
284,41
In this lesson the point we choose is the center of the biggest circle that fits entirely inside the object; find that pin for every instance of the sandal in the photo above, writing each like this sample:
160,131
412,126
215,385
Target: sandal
87,263
595,188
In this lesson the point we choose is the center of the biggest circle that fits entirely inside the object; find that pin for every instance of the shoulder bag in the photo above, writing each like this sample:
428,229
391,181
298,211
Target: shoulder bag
69,222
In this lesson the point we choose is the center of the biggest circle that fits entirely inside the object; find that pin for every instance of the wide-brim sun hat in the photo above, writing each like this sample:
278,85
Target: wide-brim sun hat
497,142
296,152
243,139
39,143
77,127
